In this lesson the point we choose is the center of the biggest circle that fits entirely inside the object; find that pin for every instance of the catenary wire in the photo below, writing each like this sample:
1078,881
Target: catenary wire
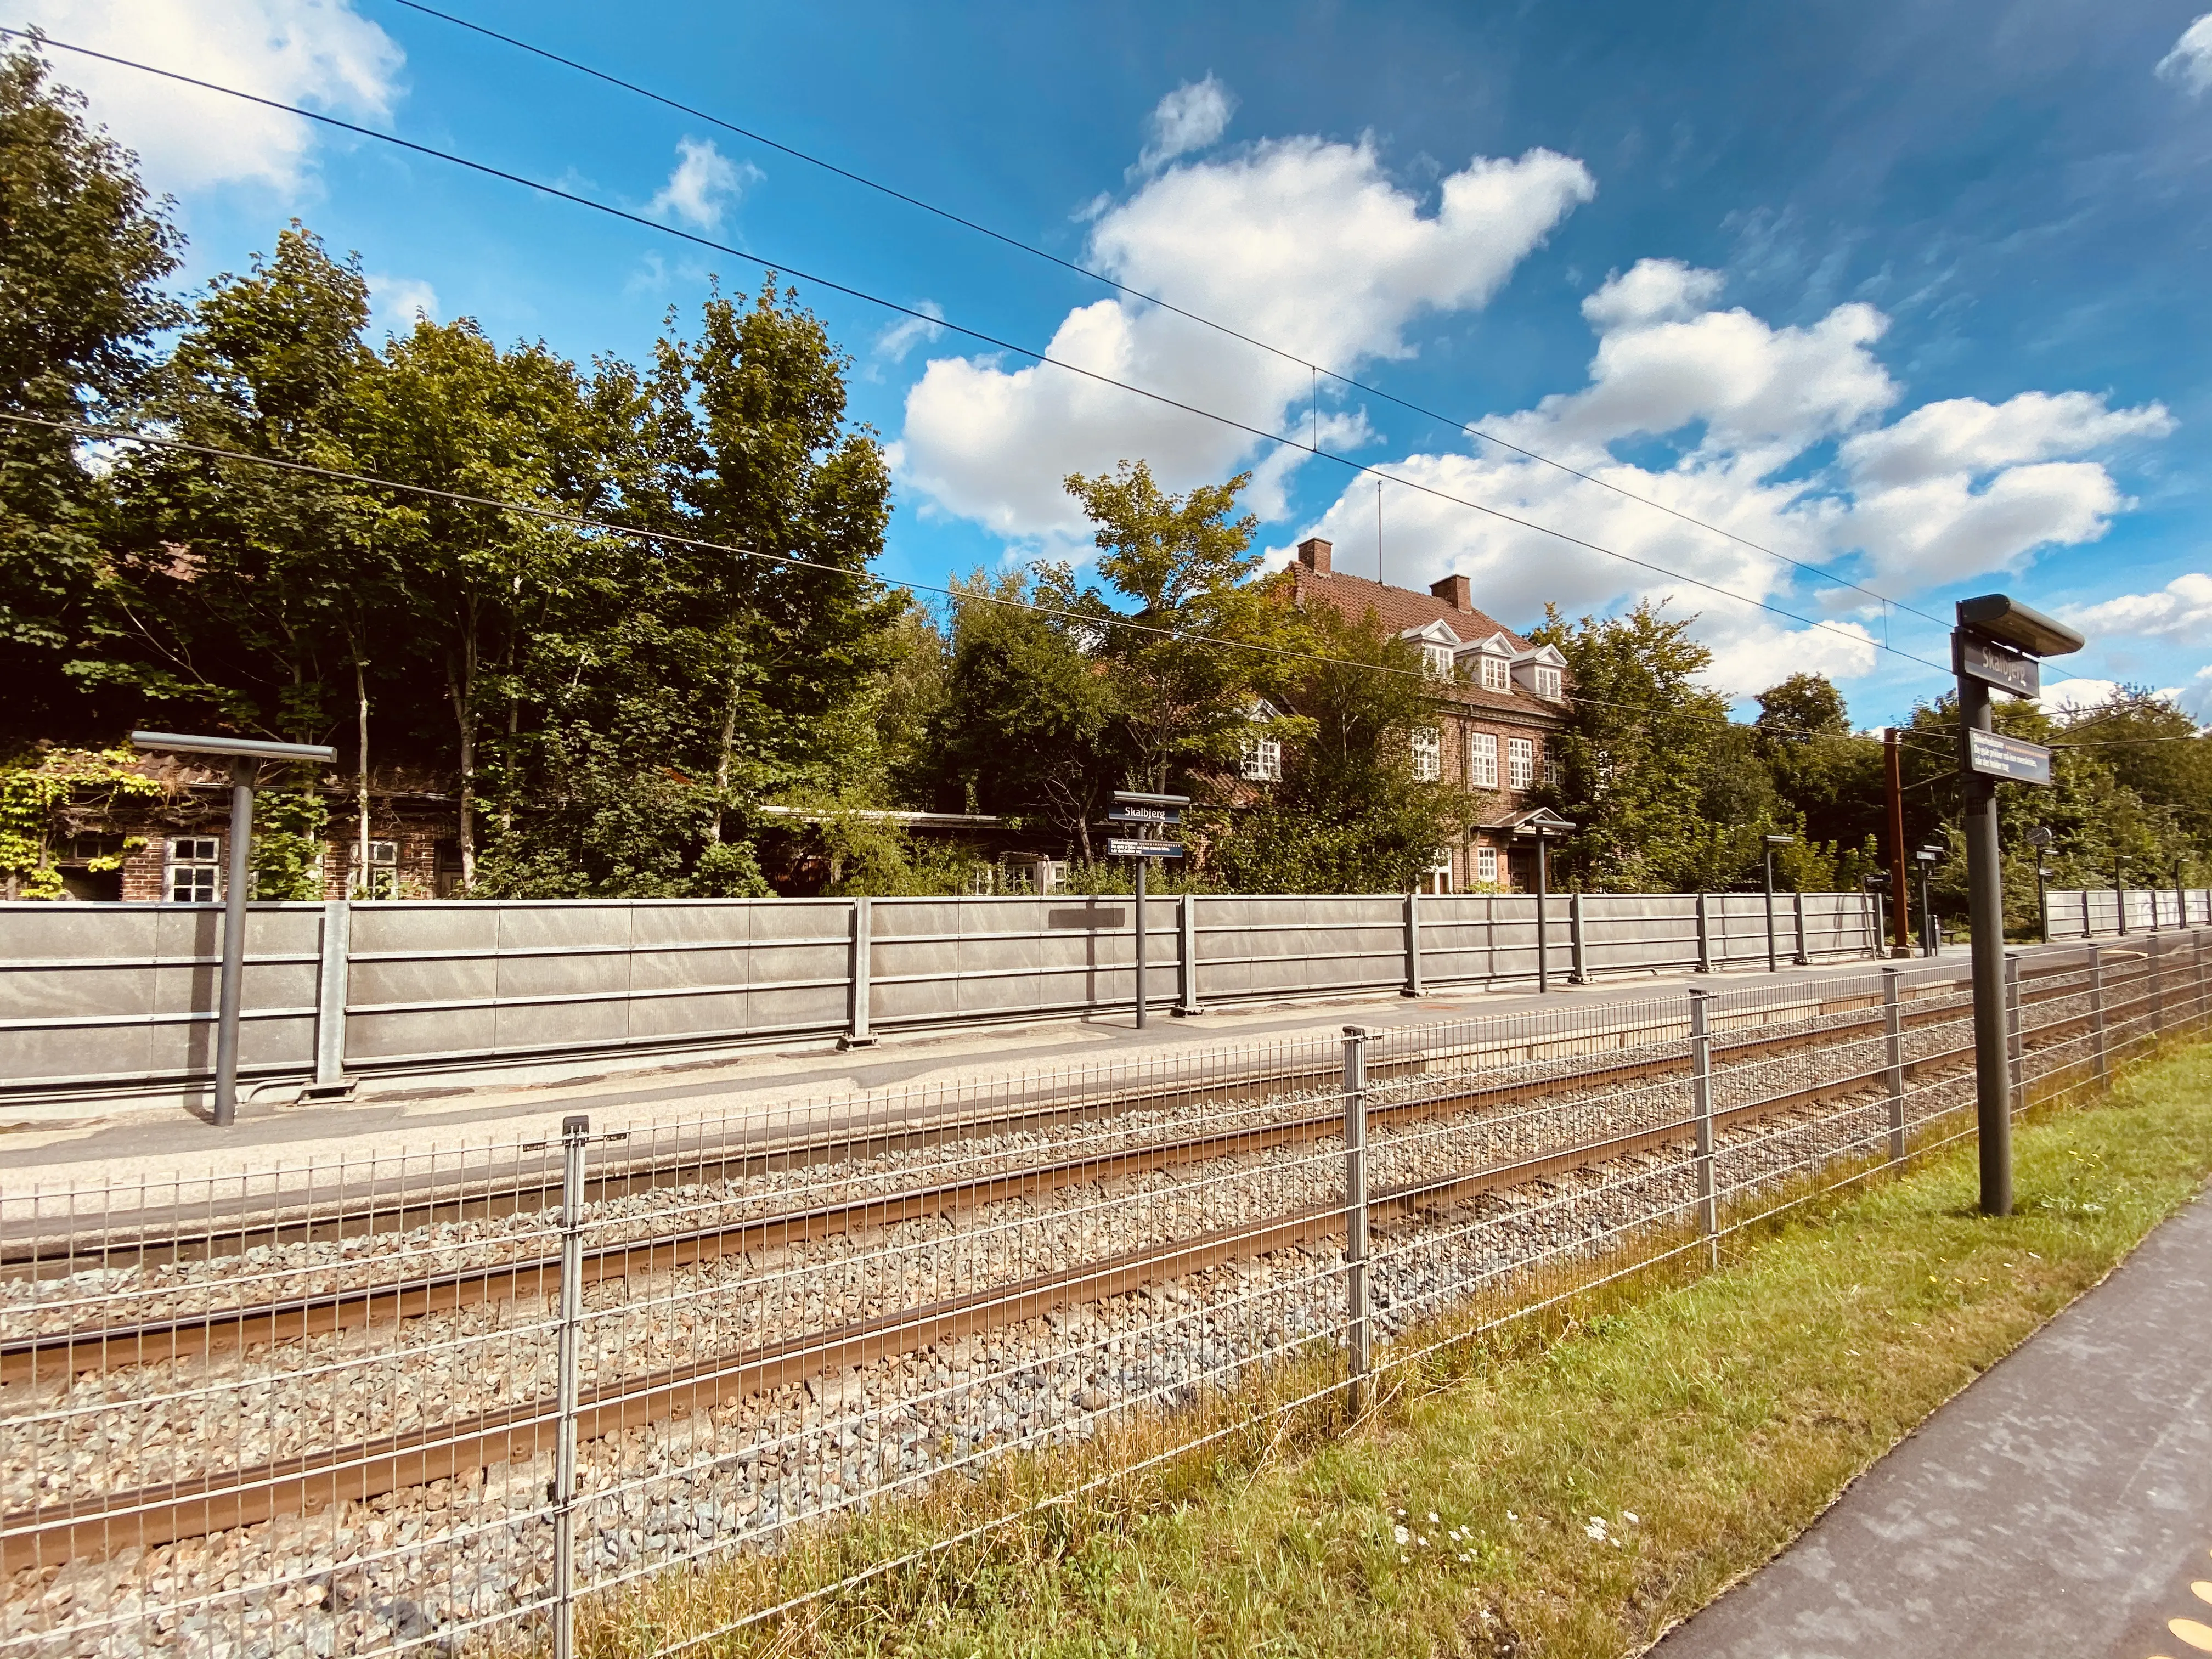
1096,276
832,286
586,521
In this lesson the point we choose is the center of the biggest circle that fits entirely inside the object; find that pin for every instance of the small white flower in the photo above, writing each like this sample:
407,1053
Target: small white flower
1405,1560
1616,1542
1423,1542
1595,1529
1400,1534
1434,1518
1629,1516
1464,1556
1510,1516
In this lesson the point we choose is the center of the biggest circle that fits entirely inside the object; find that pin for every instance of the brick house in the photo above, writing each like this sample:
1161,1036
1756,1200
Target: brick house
174,847
1500,705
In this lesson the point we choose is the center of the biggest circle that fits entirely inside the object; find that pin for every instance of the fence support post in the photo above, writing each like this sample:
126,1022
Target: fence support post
1186,950
574,1131
2154,967
1893,1026
2088,923
1704,937
1355,1213
2015,1041
1797,907
1581,974
858,1033
1701,1100
330,975
1413,985
2097,1010
2201,1008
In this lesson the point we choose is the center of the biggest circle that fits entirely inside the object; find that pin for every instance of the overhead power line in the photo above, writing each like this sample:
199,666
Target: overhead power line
752,136
993,341
674,538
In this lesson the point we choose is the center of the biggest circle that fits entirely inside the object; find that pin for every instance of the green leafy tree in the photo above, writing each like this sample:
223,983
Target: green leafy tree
83,255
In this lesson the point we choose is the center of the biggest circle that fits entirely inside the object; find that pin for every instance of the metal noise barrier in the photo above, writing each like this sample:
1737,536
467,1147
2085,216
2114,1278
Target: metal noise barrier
490,1396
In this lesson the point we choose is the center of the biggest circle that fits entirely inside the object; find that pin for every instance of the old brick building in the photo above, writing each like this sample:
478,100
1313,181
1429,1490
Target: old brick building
1500,706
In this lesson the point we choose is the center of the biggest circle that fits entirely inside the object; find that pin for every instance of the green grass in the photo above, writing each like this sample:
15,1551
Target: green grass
1724,1414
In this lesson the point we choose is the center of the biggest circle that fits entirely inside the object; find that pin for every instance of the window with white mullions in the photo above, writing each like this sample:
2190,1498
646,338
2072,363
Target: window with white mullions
1481,760
379,879
1496,674
1428,753
1547,683
1437,658
1485,865
1519,763
1261,760
195,872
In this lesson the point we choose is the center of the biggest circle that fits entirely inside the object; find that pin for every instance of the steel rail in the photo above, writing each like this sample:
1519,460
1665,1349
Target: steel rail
196,1505
110,1347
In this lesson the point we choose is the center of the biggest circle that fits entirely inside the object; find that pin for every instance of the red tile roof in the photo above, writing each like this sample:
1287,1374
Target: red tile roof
1398,608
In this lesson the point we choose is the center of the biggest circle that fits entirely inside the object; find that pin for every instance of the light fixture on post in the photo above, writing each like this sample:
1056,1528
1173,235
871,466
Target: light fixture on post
1770,842
244,754
1931,936
1542,824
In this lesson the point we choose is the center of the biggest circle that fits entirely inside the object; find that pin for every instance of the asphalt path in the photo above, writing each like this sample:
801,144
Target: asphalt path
2060,1505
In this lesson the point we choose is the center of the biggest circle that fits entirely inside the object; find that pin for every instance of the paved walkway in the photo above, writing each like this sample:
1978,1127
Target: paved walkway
2061,1506
107,1140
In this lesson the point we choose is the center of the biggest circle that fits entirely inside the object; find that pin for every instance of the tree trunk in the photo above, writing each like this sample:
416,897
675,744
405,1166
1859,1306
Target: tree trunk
722,757
460,684
364,874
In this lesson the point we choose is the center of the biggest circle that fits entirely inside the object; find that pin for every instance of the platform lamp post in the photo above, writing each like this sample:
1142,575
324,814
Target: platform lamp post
244,754
1931,936
2039,839
1773,963
1997,647
1545,824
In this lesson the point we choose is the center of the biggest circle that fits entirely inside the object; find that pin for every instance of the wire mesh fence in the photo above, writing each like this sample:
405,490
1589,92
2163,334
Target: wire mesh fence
488,1398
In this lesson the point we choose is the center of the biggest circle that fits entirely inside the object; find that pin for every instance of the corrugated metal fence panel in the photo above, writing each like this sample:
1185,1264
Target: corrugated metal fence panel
97,994
1624,933
2074,912
1836,924
1300,946
1468,937
992,958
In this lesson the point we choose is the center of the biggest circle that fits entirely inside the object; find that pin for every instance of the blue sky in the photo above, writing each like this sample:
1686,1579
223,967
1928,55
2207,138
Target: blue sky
1909,292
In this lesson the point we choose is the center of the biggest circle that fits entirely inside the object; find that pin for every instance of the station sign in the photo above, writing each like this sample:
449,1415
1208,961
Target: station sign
1117,848
1991,664
1126,814
1995,756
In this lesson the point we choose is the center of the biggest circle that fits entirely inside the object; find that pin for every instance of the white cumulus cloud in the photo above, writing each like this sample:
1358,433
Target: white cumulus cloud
703,183
1949,489
2190,62
398,300
1306,243
1188,118
2071,697
2180,609
316,53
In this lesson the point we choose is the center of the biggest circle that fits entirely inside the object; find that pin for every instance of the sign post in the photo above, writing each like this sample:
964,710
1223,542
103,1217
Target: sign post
1134,811
242,754
1995,644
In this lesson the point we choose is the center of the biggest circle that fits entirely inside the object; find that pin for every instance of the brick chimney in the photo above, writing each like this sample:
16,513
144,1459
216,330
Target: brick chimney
1453,591
1313,553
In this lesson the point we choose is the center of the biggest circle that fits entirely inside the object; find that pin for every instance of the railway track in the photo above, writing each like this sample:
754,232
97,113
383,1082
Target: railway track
217,1502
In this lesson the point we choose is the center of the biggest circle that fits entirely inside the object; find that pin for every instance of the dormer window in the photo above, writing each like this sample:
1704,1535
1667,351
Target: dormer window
1495,674
1547,683
1437,660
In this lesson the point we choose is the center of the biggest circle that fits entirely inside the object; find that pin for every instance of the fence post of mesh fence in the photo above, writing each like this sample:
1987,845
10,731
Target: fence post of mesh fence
2155,962
1355,1212
2201,1006
1893,1026
2096,1008
2015,1041
573,1133
1701,1098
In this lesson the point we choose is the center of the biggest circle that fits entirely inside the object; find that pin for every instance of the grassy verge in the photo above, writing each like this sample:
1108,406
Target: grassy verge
1572,1496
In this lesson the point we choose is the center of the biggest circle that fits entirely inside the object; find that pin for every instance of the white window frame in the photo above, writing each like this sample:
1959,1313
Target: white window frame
1481,760
1554,773
1259,760
1440,871
1485,865
1547,683
1496,674
1428,746
198,859
382,880
1519,763
1437,660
